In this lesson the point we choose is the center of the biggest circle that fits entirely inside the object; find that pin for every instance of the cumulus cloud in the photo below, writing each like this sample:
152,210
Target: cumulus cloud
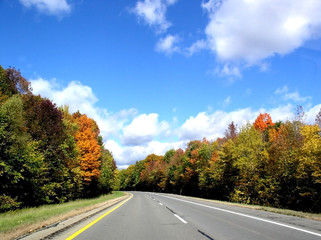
283,113
80,97
76,95
247,32
291,96
229,70
143,129
312,113
132,136
127,155
295,96
137,132
204,124
197,46
42,86
153,12
214,125
50,7
167,44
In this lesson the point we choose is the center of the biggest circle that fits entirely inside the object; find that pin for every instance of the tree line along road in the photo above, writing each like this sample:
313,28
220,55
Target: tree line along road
166,216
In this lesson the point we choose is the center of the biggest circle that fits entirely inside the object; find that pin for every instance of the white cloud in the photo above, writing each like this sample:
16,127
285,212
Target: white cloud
123,166
126,155
170,2
312,113
295,96
229,71
211,5
82,98
197,46
143,129
42,86
292,96
153,12
282,113
167,44
281,90
76,95
247,32
132,136
214,125
137,132
50,7
227,101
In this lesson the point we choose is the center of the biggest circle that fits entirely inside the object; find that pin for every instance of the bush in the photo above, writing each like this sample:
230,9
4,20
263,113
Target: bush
7,203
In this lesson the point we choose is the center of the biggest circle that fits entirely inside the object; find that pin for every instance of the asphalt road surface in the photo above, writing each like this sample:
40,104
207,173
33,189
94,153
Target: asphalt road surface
166,216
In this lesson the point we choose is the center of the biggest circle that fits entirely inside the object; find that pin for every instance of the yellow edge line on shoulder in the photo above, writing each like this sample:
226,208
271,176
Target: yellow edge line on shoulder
98,219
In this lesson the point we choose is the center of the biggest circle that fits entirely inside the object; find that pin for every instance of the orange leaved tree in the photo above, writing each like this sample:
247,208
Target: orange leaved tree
90,151
263,121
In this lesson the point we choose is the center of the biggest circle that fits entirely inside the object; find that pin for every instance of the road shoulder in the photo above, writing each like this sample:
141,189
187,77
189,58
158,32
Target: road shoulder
60,223
311,216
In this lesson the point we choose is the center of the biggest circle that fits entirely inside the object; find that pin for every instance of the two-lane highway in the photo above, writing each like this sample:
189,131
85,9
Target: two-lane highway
164,216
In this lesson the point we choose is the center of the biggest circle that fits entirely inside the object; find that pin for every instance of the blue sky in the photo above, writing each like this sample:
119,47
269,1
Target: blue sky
155,74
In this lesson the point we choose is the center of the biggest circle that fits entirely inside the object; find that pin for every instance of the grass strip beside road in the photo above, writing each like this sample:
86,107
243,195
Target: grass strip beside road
13,220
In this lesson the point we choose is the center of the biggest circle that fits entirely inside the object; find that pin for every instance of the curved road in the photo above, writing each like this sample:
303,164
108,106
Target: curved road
167,216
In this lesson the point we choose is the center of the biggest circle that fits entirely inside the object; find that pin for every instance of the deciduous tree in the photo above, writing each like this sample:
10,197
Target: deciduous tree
87,142
263,121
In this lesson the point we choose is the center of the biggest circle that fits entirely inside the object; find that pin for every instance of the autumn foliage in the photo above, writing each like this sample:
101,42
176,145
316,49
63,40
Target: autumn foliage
90,152
263,122
262,163
47,155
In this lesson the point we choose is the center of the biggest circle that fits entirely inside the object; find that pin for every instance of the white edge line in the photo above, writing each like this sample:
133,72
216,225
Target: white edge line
244,215
161,204
180,218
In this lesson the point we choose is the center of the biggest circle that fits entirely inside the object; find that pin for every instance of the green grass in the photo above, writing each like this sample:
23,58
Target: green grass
11,220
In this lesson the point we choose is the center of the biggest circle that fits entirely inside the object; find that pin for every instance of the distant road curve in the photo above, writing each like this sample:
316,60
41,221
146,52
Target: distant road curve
167,216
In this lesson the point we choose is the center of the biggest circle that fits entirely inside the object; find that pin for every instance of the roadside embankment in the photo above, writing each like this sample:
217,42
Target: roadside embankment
21,223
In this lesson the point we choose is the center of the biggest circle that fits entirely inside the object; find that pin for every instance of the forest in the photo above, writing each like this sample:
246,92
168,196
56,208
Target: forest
263,163
47,154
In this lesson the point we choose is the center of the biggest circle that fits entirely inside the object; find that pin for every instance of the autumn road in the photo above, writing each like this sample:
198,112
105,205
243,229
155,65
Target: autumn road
161,216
